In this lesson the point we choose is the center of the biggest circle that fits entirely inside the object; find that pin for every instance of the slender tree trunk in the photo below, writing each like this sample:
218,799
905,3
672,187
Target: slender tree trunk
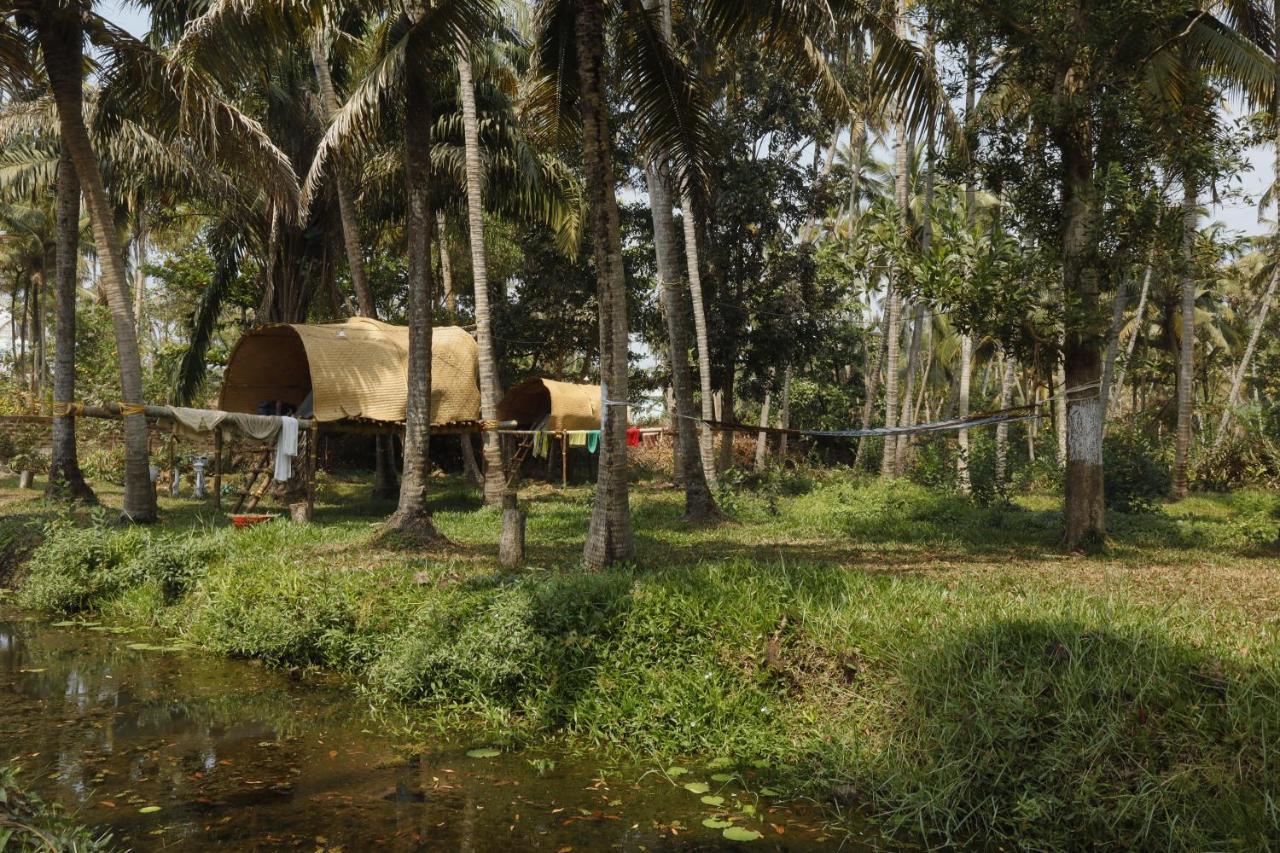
1131,346
893,324
609,537
1002,429
1060,410
61,39
784,418
966,341
727,413
698,502
140,237
65,477
962,458
1084,509
495,477
871,385
412,517
762,438
1118,304
701,341
905,418
1186,359
1237,376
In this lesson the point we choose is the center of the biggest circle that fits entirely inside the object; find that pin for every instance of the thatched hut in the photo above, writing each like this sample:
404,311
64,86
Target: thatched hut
551,405
353,371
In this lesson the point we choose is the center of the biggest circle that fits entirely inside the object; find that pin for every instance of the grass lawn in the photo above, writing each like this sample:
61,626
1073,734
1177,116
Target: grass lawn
946,667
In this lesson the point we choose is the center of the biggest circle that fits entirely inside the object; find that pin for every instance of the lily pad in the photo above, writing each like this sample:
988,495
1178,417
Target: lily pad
148,810
717,823
713,800
697,787
740,833
721,777
484,752
722,761
677,772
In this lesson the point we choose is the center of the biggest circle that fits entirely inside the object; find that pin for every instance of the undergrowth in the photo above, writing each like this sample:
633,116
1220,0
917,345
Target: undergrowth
936,657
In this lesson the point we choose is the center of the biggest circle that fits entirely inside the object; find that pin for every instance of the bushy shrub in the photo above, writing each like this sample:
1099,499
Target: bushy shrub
1136,470
76,568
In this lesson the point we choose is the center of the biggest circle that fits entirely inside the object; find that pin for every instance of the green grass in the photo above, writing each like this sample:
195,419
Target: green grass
944,665
28,823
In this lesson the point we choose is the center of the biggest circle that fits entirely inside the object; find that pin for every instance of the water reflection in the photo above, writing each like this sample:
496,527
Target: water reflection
248,759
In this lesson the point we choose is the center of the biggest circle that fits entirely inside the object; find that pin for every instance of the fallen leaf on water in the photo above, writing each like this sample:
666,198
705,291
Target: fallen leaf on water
333,753
778,828
109,804
483,752
697,787
33,669
148,809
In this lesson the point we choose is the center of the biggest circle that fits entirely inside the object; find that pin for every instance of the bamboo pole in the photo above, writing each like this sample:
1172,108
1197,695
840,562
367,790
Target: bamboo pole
564,459
312,435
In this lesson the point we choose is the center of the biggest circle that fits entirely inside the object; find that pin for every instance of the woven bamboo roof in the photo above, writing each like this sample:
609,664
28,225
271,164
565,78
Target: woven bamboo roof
565,405
357,370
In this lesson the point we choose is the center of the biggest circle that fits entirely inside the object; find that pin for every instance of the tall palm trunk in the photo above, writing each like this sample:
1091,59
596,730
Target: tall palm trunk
1002,429
140,237
1118,304
871,386
1083,508
966,341
1186,355
61,40
609,537
495,477
412,517
65,477
962,410
906,415
893,313
706,451
699,505
1132,345
384,478
762,438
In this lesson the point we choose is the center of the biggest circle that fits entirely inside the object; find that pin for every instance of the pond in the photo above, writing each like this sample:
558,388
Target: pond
174,750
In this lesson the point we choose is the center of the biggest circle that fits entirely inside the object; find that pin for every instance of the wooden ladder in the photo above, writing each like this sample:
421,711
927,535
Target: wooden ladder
248,497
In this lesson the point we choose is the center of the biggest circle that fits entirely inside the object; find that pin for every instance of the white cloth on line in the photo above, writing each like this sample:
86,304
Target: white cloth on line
286,448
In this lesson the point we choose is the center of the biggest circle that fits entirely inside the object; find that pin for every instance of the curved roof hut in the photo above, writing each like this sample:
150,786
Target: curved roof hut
353,371
564,405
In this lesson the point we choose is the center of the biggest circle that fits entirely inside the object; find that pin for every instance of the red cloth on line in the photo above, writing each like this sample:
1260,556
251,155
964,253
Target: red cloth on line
633,436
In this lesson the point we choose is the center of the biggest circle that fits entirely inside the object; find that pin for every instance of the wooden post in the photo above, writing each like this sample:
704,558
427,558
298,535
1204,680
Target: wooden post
217,468
511,542
311,471
564,458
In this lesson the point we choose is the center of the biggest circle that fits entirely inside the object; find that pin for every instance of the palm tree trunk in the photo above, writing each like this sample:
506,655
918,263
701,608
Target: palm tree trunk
1113,344
784,416
706,451
893,318
140,237
762,438
65,477
1186,355
61,39
1237,376
1002,429
871,385
1083,508
495,478
908,392
609,537
1139,312
470,469
412,517
699,505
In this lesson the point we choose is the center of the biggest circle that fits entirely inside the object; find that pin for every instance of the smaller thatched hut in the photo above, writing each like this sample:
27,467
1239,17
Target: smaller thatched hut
551,405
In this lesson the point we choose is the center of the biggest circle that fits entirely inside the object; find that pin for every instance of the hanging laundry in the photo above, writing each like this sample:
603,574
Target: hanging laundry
593,440
541,444
286,448
633,437
578,438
